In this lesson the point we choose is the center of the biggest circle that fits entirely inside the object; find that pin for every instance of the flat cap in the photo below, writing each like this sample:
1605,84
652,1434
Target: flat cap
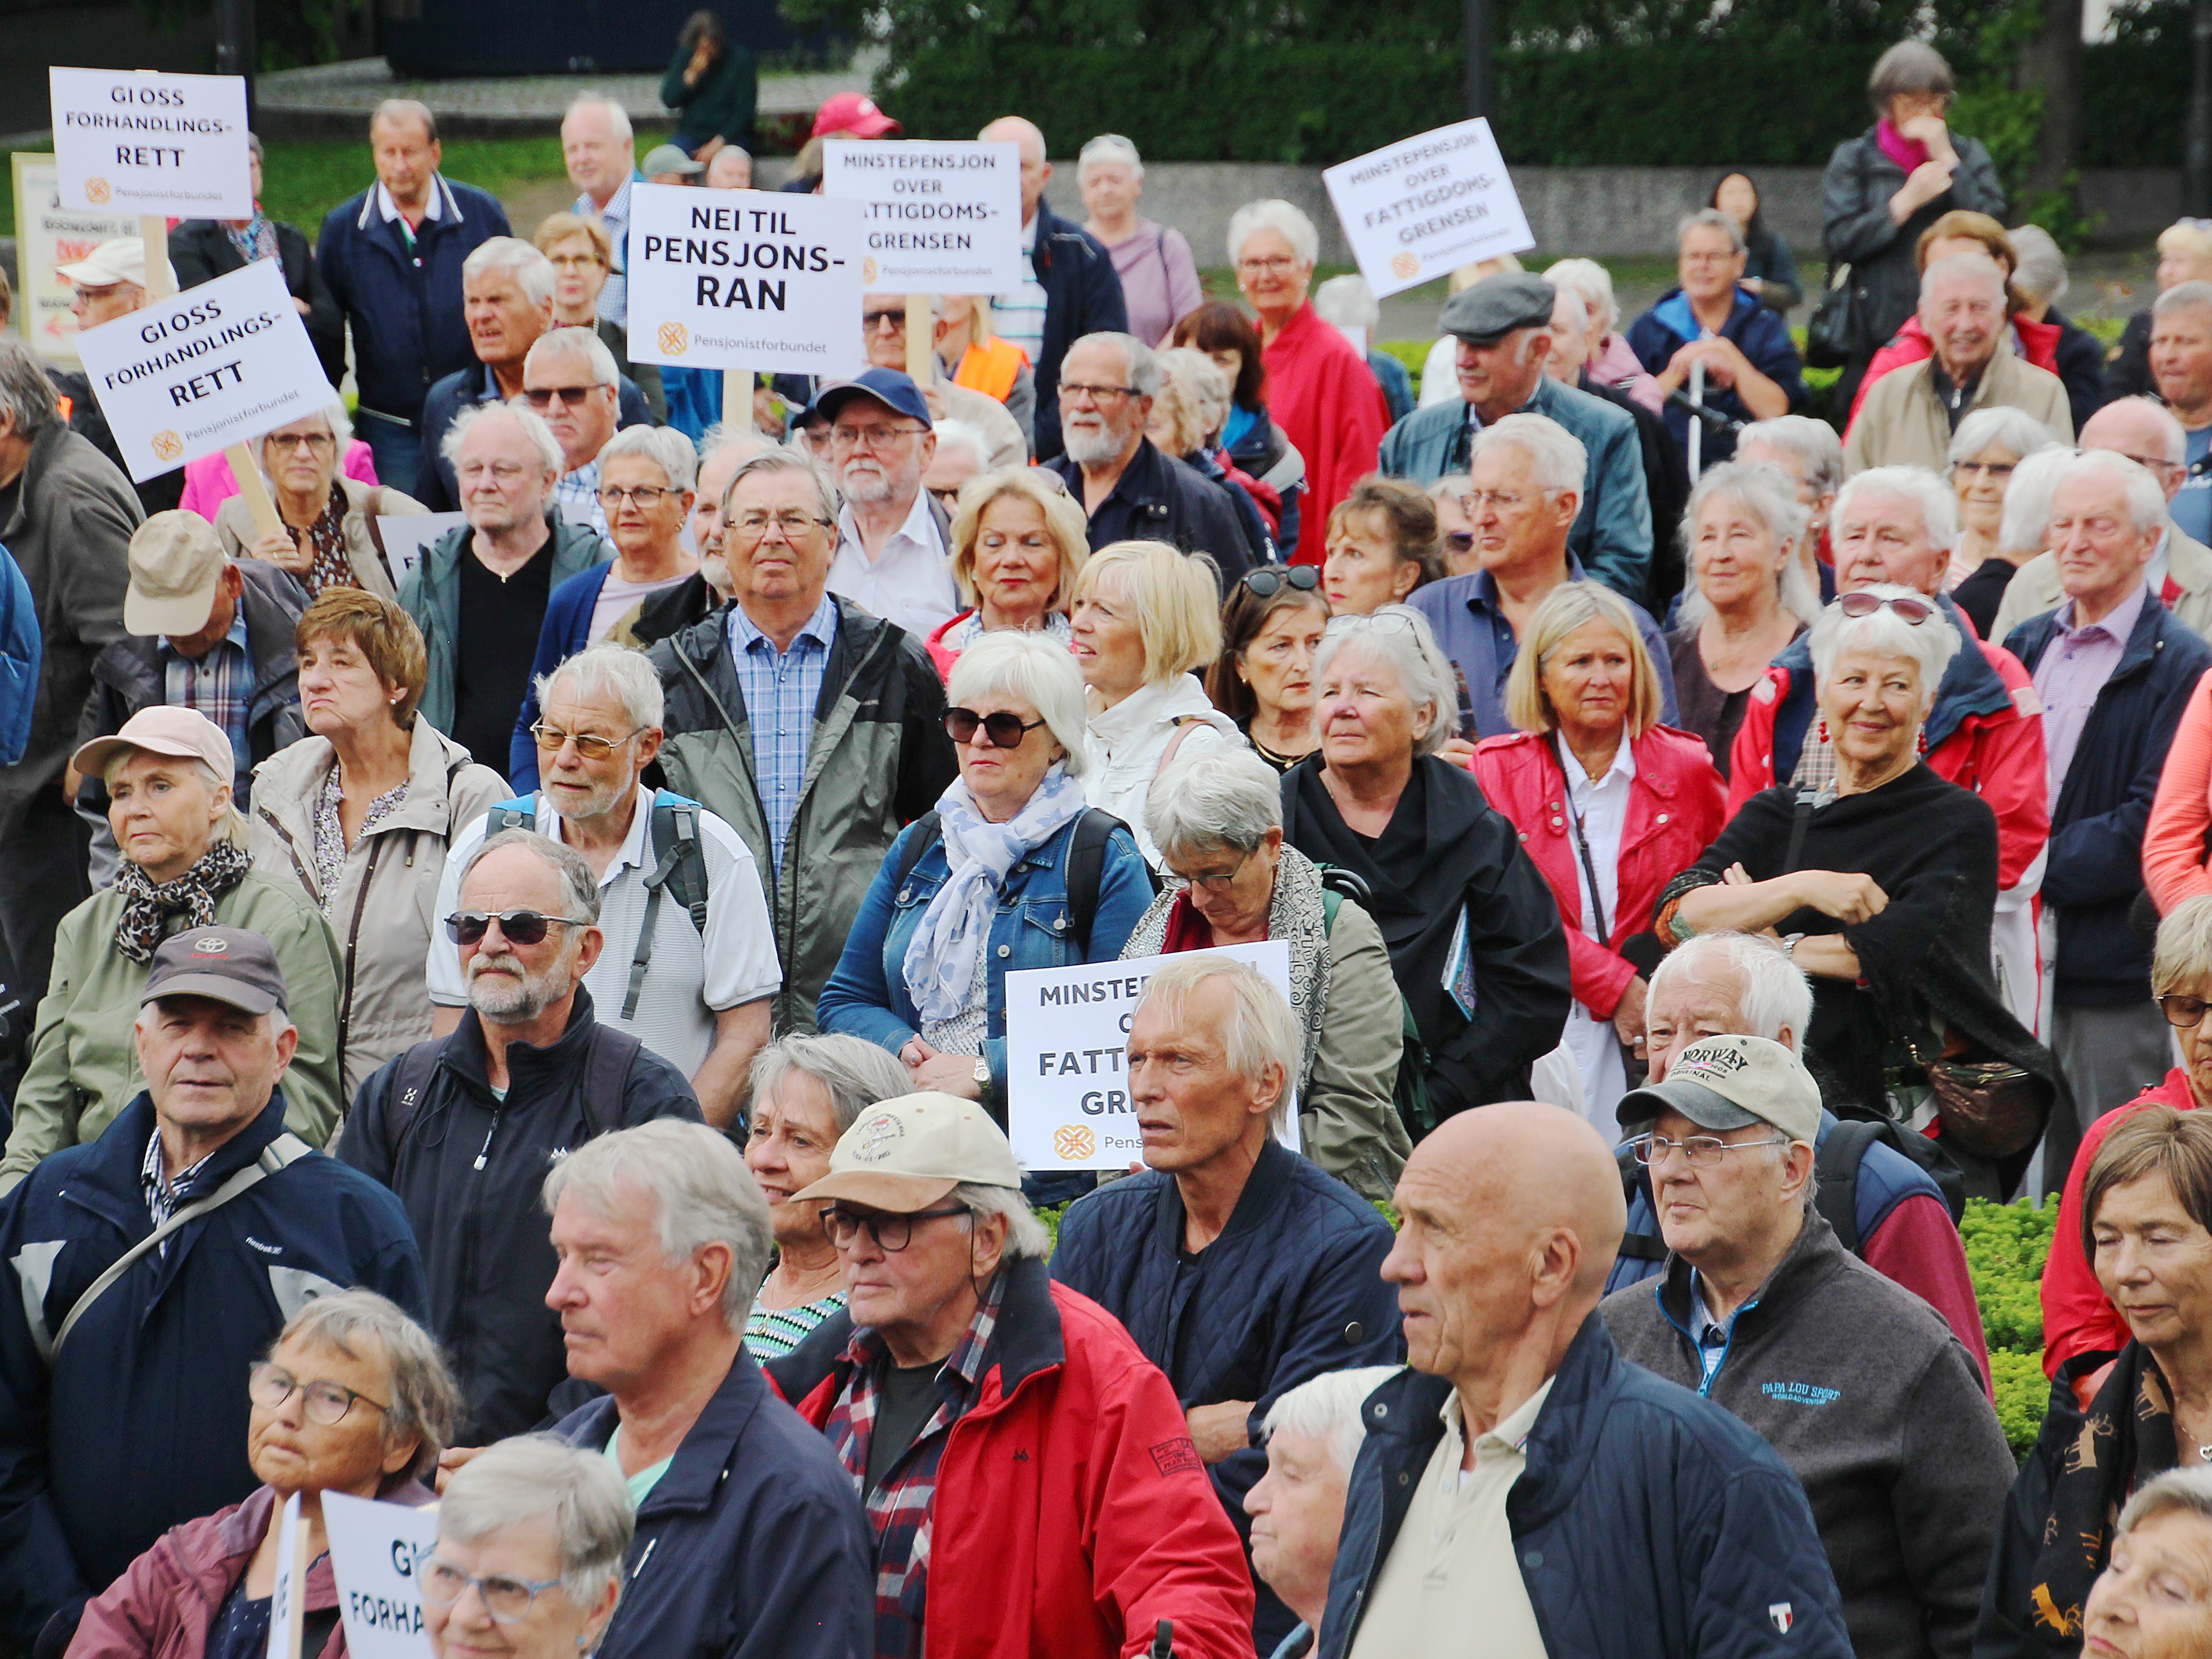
1497,306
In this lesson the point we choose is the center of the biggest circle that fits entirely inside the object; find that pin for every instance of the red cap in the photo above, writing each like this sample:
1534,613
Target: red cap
855,113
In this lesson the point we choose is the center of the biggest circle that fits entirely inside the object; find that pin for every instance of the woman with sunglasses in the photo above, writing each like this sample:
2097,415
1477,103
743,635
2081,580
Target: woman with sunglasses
330,538
1263,679
354,1398
1020,540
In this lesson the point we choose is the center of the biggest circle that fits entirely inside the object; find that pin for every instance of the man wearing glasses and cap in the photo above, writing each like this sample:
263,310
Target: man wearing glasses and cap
109,282
1865,1392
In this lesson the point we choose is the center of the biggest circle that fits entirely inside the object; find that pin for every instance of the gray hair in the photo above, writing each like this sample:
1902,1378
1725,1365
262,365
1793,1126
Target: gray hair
1929,644
538,1477
1712,219
1214,798
1999,427
576,343
1326,1409
1773,996
607,668
1964,267
563,861
26,394
426,1402
1560,458
405,109
1026,1237
2146,499
852,1072
1109,147
1259,1029
2039,269
664,446
1908,67
701,1190
784,460
2025,526
1346,301
533,427
618,117
1203,386
1767,494
2182,296
1592,283
958,435
531,270
2187,1489
1812,444
1276,215
1938,503
1143,374
1036,669
1409,646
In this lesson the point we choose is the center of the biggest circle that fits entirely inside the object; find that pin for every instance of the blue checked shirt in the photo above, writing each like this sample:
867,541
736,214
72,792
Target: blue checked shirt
576,497
614,298
219,685
782,690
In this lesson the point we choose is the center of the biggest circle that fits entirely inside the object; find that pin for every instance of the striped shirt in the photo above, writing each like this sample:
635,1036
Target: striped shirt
782,689
772,1332
576,497
1019,316
219,684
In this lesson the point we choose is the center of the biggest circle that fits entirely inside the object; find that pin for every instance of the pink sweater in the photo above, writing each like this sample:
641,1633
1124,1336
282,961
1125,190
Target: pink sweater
2173,841
209,483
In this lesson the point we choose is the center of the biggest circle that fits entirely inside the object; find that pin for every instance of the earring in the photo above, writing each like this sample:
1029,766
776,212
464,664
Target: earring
1824,728
1923,739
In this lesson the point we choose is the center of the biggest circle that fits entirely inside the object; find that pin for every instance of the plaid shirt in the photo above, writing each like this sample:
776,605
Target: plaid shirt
221,686
899,1508
576,497
782,690
165,1197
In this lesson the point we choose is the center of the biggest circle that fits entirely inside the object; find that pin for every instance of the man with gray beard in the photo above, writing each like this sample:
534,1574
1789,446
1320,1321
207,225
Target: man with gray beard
463,1127
894,540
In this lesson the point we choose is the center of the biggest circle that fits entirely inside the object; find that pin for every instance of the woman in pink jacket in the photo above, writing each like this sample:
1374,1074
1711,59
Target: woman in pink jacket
2175,840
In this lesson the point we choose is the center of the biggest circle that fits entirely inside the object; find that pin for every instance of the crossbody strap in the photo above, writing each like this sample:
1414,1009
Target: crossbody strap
1582,843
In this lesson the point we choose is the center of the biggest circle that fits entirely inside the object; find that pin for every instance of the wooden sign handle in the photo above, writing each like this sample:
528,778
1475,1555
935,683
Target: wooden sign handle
737,401
921,339
154,232
254,488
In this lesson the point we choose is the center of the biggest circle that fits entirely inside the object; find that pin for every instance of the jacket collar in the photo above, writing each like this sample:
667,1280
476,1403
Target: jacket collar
1482,591
448,205
240,1533
285,785
112,1165
1648,771
51,437
1142,482
529,1068
1675,312
1969,687
702,1463
1813,1255
1179,698
2144,640
1265,1189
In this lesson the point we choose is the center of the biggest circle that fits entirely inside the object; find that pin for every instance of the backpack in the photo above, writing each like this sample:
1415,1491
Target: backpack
1410,1095
1086,863
680,868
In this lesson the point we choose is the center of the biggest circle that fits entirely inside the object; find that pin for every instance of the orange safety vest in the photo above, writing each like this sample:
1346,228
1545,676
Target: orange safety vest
992,368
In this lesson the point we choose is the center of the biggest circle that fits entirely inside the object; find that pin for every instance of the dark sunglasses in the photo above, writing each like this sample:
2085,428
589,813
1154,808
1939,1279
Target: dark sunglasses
569,396
516,927
1915,611
1004,730
1270,579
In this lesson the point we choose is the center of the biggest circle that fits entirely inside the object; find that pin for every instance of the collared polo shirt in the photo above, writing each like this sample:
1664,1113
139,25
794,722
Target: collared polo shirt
2073,671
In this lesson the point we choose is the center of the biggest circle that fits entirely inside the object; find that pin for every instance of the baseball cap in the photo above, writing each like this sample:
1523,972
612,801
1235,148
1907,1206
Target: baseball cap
184,733
122,259
176,562
225,964
1725,1083
1495,306
893,388
854,112
667,158
908,1153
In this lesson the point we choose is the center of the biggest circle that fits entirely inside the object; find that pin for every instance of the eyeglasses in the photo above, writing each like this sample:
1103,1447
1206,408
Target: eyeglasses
1995,471
894,318
2183,1013
575,261
1075,391
568,396
1050,479
1475,500
892,1233
315,443
269,1386
2157,463
504,473
1002,730
877,438
792,522
1377,621
590,745
516,927
1217,881
644,495
949,498
1270,580
1698,1152
1913,610
1277,263
506,1600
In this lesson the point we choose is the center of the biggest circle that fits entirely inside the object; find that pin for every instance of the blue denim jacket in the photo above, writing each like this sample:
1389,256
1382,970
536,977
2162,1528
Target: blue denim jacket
868,995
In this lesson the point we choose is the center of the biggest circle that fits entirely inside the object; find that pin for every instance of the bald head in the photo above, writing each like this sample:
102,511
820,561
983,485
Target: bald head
1013,130
2145,431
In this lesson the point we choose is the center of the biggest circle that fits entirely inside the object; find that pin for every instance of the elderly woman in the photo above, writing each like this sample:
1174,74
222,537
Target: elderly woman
2039,283
532,1535
2022,530
360,816
1231,881
2153,1600
1608,360
1473,934
1249,440
1883,894
806,1091
1320,389
2146,1232
331,537
1453,497
1263,680
1011,871
1640,800
185,865
1144,617
353,1398
1382,544
1748,597
582,257
1770,275
1987,448
1159,277
1189,414
1019,543
1811,456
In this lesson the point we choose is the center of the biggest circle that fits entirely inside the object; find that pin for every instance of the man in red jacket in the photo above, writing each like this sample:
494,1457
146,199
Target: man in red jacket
1028,1473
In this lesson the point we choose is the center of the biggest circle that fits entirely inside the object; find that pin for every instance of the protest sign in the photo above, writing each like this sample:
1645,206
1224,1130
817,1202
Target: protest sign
288,1601
938,217
49,235
219,365
407,539
377,1550
132,142
1068,1028
1416,211
744,279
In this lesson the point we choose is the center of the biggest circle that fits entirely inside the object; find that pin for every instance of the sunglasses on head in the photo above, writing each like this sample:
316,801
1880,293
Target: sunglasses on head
1913,610
1003,730
1270,579
516,927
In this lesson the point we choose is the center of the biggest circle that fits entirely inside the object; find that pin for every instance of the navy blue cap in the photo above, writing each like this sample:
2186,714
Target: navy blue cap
894,390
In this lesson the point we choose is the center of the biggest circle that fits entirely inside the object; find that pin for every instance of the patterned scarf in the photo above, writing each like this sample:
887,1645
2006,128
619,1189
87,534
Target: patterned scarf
256,238
954,931
148,907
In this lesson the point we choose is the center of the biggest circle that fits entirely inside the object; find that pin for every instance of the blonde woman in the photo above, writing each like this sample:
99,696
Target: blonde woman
1020,540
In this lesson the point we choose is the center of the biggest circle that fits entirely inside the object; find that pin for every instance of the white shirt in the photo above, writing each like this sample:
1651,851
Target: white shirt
1129,741
691,977
909,582
1603,806
389,209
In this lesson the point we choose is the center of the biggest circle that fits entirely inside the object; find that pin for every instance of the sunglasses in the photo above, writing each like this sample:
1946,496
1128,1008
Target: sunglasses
568,396
1269,579
1913,610
516,927
1004,730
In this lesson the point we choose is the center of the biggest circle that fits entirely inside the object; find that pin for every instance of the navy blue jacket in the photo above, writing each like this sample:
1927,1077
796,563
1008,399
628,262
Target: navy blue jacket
1293,1288
2094,874
1082,295
1160,499
142,1423
752,1546
21,646
1651,1524
405,307
434,485
1761,334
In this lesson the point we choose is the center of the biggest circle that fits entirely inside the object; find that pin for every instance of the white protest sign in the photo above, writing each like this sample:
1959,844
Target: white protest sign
1067,1031
288,1601
407,539
744,279
940,218
173,144
220,364
48,236
377,1550
1418,210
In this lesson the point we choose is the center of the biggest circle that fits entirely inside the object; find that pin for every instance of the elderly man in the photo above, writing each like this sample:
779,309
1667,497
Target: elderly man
1645,1522
569,379
722,451
600,152
110,283
883,336
757,1546
690,963
1502,325
1908,418
479,592
2114,669
392,257
1071,290
1129,488
961,453
893,539
1861,1386
1524,497
1029,1476
2181,364
462,1127
731,169
1239,1267
137,1421
1810,455
753,688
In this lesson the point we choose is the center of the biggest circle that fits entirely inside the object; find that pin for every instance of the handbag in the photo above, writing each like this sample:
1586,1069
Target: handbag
1990,1108
1832,338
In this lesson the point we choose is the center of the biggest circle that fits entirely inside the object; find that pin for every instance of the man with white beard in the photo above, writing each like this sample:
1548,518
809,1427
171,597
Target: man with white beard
894,540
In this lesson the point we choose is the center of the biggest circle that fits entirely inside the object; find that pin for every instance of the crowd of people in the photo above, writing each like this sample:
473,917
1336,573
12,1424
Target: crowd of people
530,1022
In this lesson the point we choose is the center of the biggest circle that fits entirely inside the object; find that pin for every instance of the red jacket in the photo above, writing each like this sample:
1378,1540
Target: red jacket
1072,1513
1677,806
1909,344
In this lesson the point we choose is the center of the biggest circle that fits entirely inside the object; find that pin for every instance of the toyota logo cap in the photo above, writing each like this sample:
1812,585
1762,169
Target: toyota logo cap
224,965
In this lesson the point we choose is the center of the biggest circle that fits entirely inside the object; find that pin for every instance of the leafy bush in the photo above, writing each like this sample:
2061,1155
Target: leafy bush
2006,1246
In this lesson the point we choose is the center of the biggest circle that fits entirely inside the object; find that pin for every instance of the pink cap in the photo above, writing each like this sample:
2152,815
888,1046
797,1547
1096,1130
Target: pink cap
854,112
179,733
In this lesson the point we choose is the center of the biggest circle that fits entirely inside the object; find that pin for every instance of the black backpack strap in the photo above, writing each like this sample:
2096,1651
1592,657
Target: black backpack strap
1801,818
924,838
1836,1168
1637,1247
679,865
1087,870
606,1077
411,1088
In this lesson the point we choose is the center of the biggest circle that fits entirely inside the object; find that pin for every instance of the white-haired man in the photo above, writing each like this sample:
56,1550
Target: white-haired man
894,541
506,297
689,962
1029,1475
1861,1386
961,453
600,152
1908,416
570,380
1241,1269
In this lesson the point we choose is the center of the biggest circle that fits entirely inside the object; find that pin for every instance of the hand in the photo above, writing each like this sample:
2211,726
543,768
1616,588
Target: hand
278,548
702,55
1220,1430
951,1074
935,399
915,1052
1628,1017
708,149
451,1458
72,780
1926,181
1722,360
1849,897
1930,130
1458,752
767,412
1736,876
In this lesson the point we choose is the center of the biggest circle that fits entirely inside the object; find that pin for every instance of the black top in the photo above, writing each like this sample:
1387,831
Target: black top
1704,708
1280,762
497,642
906,1398
1981,594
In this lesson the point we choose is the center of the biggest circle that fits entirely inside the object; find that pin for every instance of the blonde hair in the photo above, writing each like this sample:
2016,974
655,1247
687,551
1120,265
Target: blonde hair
1566,608
1063,521
2190,237
558,228
1173,597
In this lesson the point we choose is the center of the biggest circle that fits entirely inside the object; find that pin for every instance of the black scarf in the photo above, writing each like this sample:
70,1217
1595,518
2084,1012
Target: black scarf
2126,1439
147,906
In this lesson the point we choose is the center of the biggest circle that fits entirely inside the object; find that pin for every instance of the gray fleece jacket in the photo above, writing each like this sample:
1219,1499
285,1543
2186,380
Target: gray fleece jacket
1878,1412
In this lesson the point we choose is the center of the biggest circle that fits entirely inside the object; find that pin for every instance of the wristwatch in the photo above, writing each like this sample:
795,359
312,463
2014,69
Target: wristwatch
982,1078
1789,945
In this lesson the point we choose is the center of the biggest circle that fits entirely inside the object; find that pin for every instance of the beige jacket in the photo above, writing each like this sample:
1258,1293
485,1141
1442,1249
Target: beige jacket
2035,588
1902,423
388,889
234,523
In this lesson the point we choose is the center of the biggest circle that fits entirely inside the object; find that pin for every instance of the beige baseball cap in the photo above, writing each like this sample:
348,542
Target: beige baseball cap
182,733
1725,1083
176,562
122,259
908,1153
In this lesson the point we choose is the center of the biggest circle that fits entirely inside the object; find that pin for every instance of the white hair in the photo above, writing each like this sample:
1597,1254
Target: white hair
533,427
2182,296
1259,1029
1214,798
1964,268
1929,644
664,446
1026,1237
1276,215
853,1073
574,343
1402,637
1109,147
1773,995
1938,503
1999,427
958,435
1812,443
531,270
562,859
1712,219
2039,269
1592,283
2188,1490
1326,1409
1143,363
618,117
1769,494
1347,302
1031,668
537,1477
334,417
2025,526
2146,499
615,669
1560,460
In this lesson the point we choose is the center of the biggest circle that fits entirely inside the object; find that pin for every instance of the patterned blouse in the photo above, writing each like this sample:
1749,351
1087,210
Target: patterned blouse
772,1332
329,832
331,566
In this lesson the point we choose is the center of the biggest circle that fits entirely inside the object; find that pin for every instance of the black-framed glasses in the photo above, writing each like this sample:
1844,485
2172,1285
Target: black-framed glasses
894,315
1071,391
791,521
543,398
1002,730
1217,881
315,443
1913,609
891,1232
506,1600
1996,471
516,927
590,745
1386,620
1270,580
268,1385
1698,1152
2183,1013
645,495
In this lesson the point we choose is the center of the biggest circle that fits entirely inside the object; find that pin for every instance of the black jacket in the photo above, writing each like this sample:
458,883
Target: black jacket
1856,229
1666,482
2127,373
1082,295
673,610
468,1168
2081,369
1159,499
201,250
